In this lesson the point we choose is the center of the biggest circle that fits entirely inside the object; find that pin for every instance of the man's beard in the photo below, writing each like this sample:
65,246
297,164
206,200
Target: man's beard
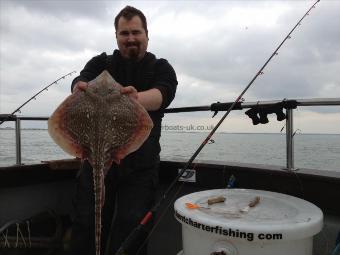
133,53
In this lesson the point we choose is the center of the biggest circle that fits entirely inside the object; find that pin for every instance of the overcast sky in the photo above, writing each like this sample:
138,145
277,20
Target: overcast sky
216,47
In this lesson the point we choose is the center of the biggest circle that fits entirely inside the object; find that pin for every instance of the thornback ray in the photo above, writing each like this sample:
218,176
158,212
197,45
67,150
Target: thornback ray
101,125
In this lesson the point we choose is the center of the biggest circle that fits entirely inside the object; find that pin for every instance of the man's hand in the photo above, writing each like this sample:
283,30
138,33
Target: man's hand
80,86
150,99
130,91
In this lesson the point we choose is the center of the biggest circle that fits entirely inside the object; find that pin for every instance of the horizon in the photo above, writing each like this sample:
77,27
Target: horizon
205,132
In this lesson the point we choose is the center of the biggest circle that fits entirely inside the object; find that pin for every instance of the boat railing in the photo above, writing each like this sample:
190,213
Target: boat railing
269,106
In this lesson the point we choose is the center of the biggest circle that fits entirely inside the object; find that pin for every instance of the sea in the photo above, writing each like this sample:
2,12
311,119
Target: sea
314,151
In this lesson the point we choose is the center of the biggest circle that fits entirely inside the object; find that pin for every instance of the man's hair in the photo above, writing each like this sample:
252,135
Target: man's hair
128,13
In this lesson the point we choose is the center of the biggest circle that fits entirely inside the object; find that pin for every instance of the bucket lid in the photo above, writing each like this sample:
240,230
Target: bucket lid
255,214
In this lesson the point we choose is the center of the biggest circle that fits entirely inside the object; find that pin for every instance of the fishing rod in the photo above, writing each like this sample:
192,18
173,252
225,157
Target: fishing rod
35,96
134,235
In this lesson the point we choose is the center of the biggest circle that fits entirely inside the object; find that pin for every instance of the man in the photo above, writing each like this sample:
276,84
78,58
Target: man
130,186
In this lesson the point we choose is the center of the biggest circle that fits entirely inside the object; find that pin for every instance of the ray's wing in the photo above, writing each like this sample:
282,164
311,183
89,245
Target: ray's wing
140,126
66,128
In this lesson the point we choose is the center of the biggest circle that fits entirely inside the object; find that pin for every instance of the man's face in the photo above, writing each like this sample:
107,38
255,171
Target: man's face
131,38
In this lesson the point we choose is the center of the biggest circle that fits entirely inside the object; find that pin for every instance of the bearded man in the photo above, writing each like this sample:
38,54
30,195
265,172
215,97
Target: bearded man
130,186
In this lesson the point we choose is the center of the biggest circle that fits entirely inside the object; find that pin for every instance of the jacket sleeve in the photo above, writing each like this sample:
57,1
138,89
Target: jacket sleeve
166,81
92,69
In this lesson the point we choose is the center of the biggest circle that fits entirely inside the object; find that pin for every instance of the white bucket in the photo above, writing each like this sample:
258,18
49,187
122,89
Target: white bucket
277,225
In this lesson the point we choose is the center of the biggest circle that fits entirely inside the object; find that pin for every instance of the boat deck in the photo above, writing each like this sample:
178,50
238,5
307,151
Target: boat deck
28,190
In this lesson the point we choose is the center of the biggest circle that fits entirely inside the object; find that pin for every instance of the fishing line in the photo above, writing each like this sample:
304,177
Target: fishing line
35,96
292,172
125,245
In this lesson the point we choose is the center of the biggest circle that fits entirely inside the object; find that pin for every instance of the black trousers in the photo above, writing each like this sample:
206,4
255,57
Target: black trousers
129,195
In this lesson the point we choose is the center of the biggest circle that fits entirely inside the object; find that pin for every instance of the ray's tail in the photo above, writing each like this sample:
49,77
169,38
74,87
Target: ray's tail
98,181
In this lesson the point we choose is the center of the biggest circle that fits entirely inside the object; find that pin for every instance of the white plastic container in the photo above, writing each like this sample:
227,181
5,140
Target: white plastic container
277,225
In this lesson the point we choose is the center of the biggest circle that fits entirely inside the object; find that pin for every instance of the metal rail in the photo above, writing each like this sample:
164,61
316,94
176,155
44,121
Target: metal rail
244,105
220,107
289,140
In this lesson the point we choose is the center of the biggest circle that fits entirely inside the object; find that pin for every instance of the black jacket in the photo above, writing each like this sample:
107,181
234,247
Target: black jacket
148,73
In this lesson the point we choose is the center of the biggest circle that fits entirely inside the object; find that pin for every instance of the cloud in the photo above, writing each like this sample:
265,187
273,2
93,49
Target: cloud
216,48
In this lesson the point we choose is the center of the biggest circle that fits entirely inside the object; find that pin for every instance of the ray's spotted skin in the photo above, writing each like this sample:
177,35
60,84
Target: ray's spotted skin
101,125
